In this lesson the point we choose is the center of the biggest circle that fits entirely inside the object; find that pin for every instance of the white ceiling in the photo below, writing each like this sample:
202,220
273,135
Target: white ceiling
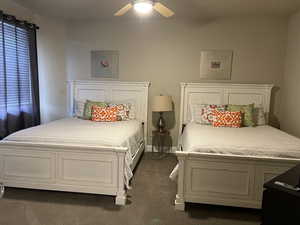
193,9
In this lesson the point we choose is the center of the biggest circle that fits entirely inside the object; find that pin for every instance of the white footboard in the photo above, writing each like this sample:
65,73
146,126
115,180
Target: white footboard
225,180
64,168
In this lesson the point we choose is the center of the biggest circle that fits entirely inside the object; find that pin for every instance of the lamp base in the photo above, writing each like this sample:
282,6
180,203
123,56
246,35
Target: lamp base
161,124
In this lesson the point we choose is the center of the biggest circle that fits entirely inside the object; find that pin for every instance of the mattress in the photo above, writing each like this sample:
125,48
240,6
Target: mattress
79,132
260,141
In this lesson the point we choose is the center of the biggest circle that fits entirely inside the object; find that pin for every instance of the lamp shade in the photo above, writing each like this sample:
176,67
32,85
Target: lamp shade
162,104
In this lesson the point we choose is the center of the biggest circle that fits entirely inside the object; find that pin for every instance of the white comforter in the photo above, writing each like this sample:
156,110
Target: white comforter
74,131
261,141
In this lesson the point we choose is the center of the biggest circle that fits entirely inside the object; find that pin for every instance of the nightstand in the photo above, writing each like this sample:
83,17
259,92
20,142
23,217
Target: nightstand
281,205
162,141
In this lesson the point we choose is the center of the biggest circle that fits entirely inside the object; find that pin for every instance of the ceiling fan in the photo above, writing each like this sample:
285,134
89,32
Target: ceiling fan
146,6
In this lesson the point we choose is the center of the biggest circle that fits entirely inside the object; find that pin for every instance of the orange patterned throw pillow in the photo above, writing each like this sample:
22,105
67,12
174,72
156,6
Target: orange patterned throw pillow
104,114
227,119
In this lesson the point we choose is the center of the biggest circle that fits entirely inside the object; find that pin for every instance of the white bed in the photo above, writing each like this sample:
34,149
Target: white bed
228,166
86,133
78,155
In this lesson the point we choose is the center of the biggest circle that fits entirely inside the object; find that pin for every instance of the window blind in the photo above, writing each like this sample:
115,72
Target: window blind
15,84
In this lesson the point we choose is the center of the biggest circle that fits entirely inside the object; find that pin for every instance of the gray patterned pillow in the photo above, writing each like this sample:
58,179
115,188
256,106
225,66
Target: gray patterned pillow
259,116
207,115
123,110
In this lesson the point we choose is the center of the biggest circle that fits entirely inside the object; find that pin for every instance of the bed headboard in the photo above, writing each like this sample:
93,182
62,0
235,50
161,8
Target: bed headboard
222,93
111,91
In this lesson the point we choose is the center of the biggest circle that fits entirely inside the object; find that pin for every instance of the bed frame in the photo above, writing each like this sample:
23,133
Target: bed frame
98,170
221,179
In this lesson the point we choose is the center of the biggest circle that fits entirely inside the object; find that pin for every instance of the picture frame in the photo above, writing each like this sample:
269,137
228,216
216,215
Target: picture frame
105,64
216,64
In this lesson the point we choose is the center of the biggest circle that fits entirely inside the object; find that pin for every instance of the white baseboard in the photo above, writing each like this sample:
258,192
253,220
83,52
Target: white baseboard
149,149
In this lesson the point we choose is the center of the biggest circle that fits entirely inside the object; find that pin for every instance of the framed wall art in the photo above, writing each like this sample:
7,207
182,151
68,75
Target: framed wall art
105,64
216,64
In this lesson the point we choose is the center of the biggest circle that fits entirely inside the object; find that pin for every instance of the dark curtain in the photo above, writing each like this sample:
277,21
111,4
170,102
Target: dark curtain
19,89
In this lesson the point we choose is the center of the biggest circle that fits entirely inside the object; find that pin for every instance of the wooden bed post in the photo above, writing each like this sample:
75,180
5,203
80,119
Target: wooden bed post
179,201
121,192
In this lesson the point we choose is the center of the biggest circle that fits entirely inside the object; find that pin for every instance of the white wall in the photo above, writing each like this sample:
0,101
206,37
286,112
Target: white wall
10,7
167,52
51,59
51,39
291,83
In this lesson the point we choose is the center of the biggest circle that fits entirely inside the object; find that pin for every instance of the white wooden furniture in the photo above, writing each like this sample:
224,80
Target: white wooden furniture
98,170
222,179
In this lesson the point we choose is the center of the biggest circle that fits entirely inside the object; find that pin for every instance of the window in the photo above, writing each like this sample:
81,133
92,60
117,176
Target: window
15,88
19,92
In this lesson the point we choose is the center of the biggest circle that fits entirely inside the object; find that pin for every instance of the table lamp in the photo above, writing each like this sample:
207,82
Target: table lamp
161,104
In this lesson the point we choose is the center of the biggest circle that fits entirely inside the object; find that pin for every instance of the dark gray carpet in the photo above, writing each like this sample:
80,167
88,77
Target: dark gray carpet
150,203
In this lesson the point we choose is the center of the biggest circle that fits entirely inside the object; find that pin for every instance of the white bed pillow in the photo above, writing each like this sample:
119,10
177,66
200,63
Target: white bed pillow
259,116
79,108
195,112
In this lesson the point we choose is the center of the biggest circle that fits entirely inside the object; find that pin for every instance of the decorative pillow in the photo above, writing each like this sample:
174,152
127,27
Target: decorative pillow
227,119
79,108
259,116
207,116
129,107
247,110
87,113
104,114
123,111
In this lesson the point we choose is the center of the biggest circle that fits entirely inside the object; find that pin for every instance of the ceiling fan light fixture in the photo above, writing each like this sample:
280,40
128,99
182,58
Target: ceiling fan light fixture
143,7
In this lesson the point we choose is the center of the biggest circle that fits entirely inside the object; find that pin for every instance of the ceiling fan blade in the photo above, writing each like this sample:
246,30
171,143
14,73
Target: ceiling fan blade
163,10
123,10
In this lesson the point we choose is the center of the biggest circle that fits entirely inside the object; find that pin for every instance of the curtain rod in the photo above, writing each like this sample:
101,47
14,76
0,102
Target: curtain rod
10,18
